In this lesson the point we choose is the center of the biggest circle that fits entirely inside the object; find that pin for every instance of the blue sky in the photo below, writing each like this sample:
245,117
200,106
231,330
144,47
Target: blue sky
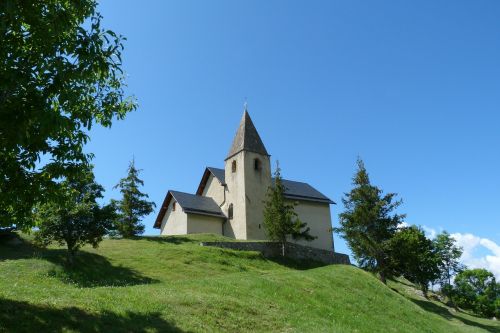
411,87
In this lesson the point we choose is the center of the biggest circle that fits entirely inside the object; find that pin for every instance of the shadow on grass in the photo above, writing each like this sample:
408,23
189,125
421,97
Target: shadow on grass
92,270
297,264
442,311
19,316
13,247
168,239
257,255
89,269
429,306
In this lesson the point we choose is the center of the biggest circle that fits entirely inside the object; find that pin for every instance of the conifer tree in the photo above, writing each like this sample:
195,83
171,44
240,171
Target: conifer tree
280,218
367,224
133,205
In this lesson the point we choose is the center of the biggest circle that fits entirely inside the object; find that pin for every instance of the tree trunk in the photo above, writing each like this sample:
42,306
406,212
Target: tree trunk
382,267
452,301
425,290
71,256
382,277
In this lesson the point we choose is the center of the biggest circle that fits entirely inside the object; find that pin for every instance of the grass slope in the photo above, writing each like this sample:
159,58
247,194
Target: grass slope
172,284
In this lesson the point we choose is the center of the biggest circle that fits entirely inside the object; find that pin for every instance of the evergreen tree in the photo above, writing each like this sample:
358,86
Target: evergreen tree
368,225
74,218
133,205
414,256
280,219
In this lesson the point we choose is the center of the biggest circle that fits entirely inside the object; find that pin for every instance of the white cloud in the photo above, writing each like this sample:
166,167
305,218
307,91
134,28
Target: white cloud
470,243
429,232
403,225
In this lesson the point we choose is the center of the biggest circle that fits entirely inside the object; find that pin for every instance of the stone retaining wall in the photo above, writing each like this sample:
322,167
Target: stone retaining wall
294,251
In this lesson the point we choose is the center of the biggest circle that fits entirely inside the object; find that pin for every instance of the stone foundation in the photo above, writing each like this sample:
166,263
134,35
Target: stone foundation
294,251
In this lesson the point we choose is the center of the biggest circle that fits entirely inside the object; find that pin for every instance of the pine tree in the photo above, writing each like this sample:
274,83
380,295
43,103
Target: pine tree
280,218
367,224
133,205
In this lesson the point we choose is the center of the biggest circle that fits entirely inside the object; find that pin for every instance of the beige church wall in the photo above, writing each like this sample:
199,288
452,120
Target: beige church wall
214,189
174,222
318,218
197,224
256,185
235,194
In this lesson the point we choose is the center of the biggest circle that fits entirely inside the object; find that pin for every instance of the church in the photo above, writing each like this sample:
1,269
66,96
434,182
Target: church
229,201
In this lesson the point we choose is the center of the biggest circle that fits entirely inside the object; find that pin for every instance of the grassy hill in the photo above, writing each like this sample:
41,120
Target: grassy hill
173,284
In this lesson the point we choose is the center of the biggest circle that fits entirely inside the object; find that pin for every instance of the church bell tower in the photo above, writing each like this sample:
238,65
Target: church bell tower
248,176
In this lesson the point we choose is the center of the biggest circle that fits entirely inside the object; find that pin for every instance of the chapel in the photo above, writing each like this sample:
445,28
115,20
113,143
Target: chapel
229,201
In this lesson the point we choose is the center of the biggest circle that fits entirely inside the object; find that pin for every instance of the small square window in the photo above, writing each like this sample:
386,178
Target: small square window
257,164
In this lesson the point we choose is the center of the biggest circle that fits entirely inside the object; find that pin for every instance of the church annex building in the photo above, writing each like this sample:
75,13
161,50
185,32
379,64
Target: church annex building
229,201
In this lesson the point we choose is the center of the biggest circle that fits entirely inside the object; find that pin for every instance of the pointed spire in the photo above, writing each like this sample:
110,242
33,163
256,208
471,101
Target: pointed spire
247,138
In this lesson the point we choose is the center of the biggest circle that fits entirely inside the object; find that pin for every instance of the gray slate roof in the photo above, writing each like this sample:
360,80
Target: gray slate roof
247,138
196,204
294,190
303,191
220,174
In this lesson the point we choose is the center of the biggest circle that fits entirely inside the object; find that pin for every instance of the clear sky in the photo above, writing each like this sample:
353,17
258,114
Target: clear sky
411,87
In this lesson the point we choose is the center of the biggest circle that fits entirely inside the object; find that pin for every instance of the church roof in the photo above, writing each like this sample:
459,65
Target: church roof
303,191
247,138
293,189
190,204
219,174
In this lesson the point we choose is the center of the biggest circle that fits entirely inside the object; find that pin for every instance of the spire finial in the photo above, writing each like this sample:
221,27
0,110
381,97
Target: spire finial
245,105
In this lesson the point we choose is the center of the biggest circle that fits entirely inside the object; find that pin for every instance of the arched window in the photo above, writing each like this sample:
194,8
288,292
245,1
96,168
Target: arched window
230,212
173,206
257,165
233,166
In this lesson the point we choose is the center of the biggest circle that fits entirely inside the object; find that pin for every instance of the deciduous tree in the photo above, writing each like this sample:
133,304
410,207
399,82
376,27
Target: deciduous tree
74,218
414,256
449,265
60,73
477,290
449,253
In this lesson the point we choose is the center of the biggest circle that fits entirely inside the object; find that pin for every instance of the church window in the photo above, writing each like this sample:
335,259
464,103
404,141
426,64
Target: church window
173,206
257,164
230,212
233,166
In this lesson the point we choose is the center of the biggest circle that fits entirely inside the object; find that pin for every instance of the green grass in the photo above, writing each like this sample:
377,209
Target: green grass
172,284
